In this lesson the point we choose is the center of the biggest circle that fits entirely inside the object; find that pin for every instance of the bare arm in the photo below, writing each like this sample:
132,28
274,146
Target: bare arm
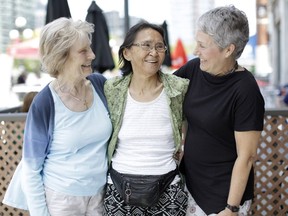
178,156
246,145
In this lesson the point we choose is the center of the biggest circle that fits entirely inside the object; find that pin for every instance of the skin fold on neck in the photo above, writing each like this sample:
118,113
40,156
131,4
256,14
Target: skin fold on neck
145,89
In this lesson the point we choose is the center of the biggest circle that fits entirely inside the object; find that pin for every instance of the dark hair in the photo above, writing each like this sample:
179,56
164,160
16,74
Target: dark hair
125,66
27,101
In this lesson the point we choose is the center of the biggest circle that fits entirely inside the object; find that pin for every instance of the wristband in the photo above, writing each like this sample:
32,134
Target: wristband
232,208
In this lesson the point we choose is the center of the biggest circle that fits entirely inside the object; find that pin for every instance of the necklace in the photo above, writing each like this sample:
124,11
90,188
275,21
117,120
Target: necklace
85,103
229,72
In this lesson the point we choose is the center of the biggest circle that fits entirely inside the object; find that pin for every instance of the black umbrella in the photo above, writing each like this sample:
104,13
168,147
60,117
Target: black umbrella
57,9
167,60
100,40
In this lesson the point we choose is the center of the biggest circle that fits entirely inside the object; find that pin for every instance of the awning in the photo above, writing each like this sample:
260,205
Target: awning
24,50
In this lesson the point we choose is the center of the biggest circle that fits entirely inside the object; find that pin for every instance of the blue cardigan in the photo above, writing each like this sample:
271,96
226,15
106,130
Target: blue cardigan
40,122
43,109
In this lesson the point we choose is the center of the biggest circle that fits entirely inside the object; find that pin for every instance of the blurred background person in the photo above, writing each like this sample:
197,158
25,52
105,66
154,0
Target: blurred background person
21,79
283,95
28,98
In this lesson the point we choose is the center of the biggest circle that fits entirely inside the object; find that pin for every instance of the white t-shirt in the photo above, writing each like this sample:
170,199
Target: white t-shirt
145,141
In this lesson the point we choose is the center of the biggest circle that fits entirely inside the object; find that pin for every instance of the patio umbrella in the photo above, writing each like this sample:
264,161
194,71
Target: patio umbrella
100,40
57,9
167,60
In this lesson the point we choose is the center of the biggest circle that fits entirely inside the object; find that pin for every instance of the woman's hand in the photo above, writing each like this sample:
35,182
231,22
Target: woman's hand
227,212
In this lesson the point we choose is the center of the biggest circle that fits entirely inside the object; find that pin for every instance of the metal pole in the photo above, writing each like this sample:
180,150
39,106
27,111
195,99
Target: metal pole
126,19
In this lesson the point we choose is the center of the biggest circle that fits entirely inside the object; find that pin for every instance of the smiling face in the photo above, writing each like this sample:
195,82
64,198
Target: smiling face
142,61
80,58
212,59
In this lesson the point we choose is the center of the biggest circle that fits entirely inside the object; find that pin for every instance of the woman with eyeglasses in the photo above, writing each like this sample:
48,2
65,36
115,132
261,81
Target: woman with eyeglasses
146,112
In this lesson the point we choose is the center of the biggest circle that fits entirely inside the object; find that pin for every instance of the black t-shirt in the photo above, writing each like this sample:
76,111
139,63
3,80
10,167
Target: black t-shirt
215,107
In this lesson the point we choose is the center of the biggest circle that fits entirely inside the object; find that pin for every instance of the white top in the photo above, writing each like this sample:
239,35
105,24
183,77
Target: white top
146,143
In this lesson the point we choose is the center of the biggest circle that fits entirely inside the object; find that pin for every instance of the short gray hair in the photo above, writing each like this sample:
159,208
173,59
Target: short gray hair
56,40
226,25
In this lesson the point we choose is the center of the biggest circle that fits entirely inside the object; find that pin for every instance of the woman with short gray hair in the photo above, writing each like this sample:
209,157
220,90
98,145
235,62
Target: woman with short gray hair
224,110
226,25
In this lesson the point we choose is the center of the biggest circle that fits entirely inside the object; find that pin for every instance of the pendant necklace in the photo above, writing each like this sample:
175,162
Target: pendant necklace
85,103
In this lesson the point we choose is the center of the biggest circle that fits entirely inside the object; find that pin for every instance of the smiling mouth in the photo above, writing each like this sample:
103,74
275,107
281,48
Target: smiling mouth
86,65
151,61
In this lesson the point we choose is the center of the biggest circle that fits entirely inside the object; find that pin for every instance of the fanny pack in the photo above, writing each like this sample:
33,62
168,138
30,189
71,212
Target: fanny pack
141,190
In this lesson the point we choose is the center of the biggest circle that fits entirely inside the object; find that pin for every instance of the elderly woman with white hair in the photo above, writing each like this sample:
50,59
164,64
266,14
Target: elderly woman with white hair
64,163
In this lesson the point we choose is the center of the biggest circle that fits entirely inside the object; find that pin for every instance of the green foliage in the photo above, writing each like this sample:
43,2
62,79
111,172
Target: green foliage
30,65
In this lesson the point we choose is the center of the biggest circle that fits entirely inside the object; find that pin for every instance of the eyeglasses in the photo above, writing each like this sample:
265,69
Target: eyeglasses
147,46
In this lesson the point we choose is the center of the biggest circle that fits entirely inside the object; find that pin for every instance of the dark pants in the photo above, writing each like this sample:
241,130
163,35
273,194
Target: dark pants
173,202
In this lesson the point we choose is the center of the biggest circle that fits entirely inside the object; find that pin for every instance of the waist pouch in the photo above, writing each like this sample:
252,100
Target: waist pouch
141,190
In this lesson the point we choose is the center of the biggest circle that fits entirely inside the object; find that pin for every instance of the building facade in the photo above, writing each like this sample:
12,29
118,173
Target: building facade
278,29
9,11
184,15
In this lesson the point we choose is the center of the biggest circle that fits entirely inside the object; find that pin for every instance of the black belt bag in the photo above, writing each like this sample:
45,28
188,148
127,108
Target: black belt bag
141,190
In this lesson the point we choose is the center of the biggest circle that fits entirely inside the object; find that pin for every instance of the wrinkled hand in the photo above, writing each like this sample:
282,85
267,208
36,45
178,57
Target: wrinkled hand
227,212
